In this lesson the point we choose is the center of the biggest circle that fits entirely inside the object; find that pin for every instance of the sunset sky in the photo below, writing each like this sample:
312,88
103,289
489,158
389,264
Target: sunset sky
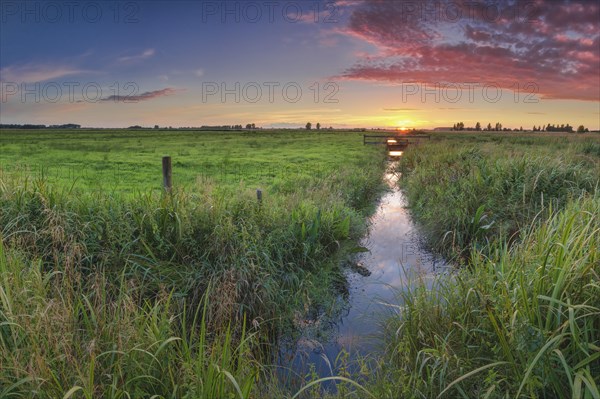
371,63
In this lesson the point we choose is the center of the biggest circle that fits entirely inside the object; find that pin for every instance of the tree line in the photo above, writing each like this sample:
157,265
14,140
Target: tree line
498,128
31,126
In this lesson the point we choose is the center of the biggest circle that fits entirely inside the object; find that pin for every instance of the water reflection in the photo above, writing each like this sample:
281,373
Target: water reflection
395,256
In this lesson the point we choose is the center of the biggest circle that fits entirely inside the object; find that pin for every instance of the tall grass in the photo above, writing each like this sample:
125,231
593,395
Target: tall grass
165,295
523,319
254,254
63,336
465,195
521,322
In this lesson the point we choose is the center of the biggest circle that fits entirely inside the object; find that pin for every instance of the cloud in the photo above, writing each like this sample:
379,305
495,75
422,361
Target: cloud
138,57
401,109
199,72
552,44
149,95
32,73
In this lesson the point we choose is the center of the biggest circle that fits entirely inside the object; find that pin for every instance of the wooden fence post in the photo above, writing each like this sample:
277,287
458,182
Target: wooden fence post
167,173
259,196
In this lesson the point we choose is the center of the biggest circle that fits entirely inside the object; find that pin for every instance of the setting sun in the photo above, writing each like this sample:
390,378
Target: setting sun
404,124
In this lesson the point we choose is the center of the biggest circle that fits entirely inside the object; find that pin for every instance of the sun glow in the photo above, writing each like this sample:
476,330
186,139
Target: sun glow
404,125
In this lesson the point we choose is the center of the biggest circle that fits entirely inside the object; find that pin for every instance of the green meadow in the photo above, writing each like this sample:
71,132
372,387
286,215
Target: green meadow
126,161
111,287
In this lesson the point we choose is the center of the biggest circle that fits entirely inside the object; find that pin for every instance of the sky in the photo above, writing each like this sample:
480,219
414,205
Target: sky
279,63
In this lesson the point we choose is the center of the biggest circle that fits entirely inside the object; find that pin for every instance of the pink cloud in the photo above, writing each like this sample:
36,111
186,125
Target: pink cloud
555,45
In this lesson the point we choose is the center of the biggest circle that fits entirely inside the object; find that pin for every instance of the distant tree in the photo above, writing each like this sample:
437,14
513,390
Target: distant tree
248,126
521,129
498,126
558,128
581,129
478,126
253,126
489,127
308,126
318,126
454,127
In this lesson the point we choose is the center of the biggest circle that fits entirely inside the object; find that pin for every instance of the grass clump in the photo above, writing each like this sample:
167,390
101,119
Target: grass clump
62,335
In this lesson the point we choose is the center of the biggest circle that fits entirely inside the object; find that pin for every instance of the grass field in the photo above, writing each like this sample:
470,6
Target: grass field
111,288
206,271
130,160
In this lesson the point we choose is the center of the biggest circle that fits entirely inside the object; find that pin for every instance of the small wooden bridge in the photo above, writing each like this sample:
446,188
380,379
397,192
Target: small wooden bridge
395,143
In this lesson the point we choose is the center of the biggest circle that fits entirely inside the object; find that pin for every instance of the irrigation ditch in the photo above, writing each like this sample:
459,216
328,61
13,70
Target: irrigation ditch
394,257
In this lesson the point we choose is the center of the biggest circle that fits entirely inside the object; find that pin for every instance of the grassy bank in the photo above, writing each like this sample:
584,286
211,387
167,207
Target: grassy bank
523,319
139,293
469,190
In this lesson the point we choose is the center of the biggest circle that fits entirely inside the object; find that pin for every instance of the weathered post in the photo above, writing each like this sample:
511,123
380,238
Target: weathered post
259,196
167,174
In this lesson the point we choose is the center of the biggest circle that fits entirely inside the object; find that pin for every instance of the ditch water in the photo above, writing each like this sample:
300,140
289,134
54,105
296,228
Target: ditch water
396,256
